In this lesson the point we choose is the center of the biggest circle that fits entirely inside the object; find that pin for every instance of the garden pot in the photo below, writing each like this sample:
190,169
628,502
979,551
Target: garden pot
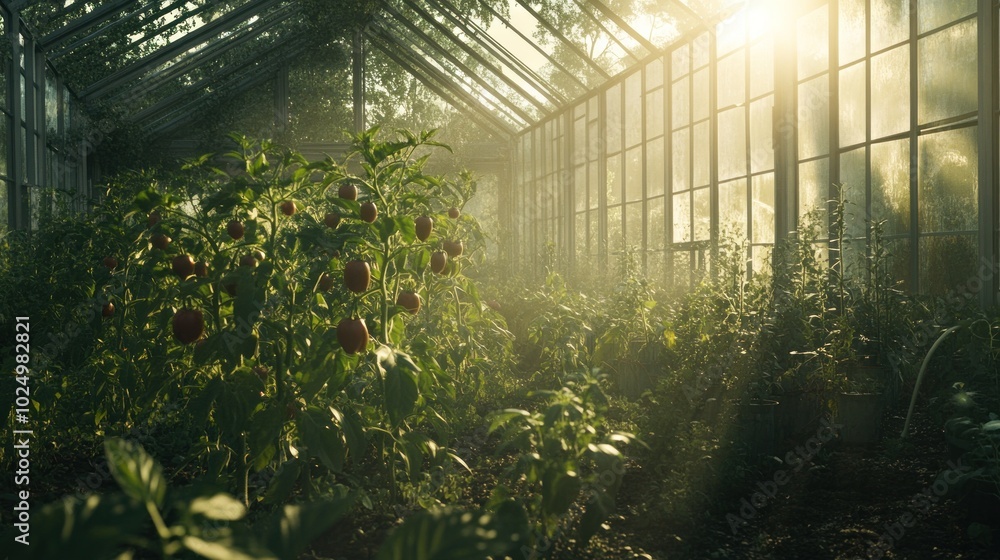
798,413
860,417
756,426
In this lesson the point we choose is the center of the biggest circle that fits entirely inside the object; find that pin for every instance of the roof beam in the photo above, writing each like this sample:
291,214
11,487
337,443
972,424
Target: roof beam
209,52
443,79
604,28
610,14
565,40
218,76
196,37
477,114
132,45
426,16
555,63
96,16
90,37
469,72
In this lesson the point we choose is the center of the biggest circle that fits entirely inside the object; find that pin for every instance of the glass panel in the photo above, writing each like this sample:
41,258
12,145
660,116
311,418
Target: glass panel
655,267
733,209
814,42
682,270
593,142
948,263
654,167
702,163
851,36
4,186
852,108
4,120
947,73
682,218
700,50
932,14
732,143
890,22
633,226
615,232
814,118
656,237
580,183
51,105
761,132
762,67
853,168
680,150
680,61
613,108
702,206
593,233
763,208
654,74
614,179
681,103
579,141
633,174
700,94
948,174
592,175
890,163
633,109
814,186
891,92
580,229
654,113
731,81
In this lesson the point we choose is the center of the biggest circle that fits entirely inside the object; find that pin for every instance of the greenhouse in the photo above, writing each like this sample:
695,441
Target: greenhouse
500,279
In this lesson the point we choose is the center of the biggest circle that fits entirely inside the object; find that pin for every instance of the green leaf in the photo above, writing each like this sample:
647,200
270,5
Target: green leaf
292,529
400,383
220,550
559,491
283,482
446,534
138,474
220,506
503,417
600,505
322,438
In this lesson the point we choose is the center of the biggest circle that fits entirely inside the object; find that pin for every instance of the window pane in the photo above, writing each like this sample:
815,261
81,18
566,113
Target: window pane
949,174
656,236
851,36
731,81
4,120
733,209
615,232
762,67
890,162
580,229
633,226
682,269
681,154
592,175
682,218
654,113
763,208
680,61
633,174
702,163
614,118
814,42
852,109
614,179
580,183
947,263
853,167
654,74
702,203
890,22
814,118
700,50
654,167
947,73
932,14
761,132
732,143
633,109
891,92
593,233
681,101
700,93
814,186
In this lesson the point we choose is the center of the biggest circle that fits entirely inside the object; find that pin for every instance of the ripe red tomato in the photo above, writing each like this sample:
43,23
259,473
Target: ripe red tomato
188,325
201,269
153,219
107,310
368,212
453,248
357,276
439,259
352,334
409,301
424,227
453,213
325,282
288,207
111,263
248,261
258,254
183,266
332,220
348,191
235,229
160,241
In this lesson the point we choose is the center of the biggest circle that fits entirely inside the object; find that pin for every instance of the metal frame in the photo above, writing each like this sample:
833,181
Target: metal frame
95,34
565,40
97,16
